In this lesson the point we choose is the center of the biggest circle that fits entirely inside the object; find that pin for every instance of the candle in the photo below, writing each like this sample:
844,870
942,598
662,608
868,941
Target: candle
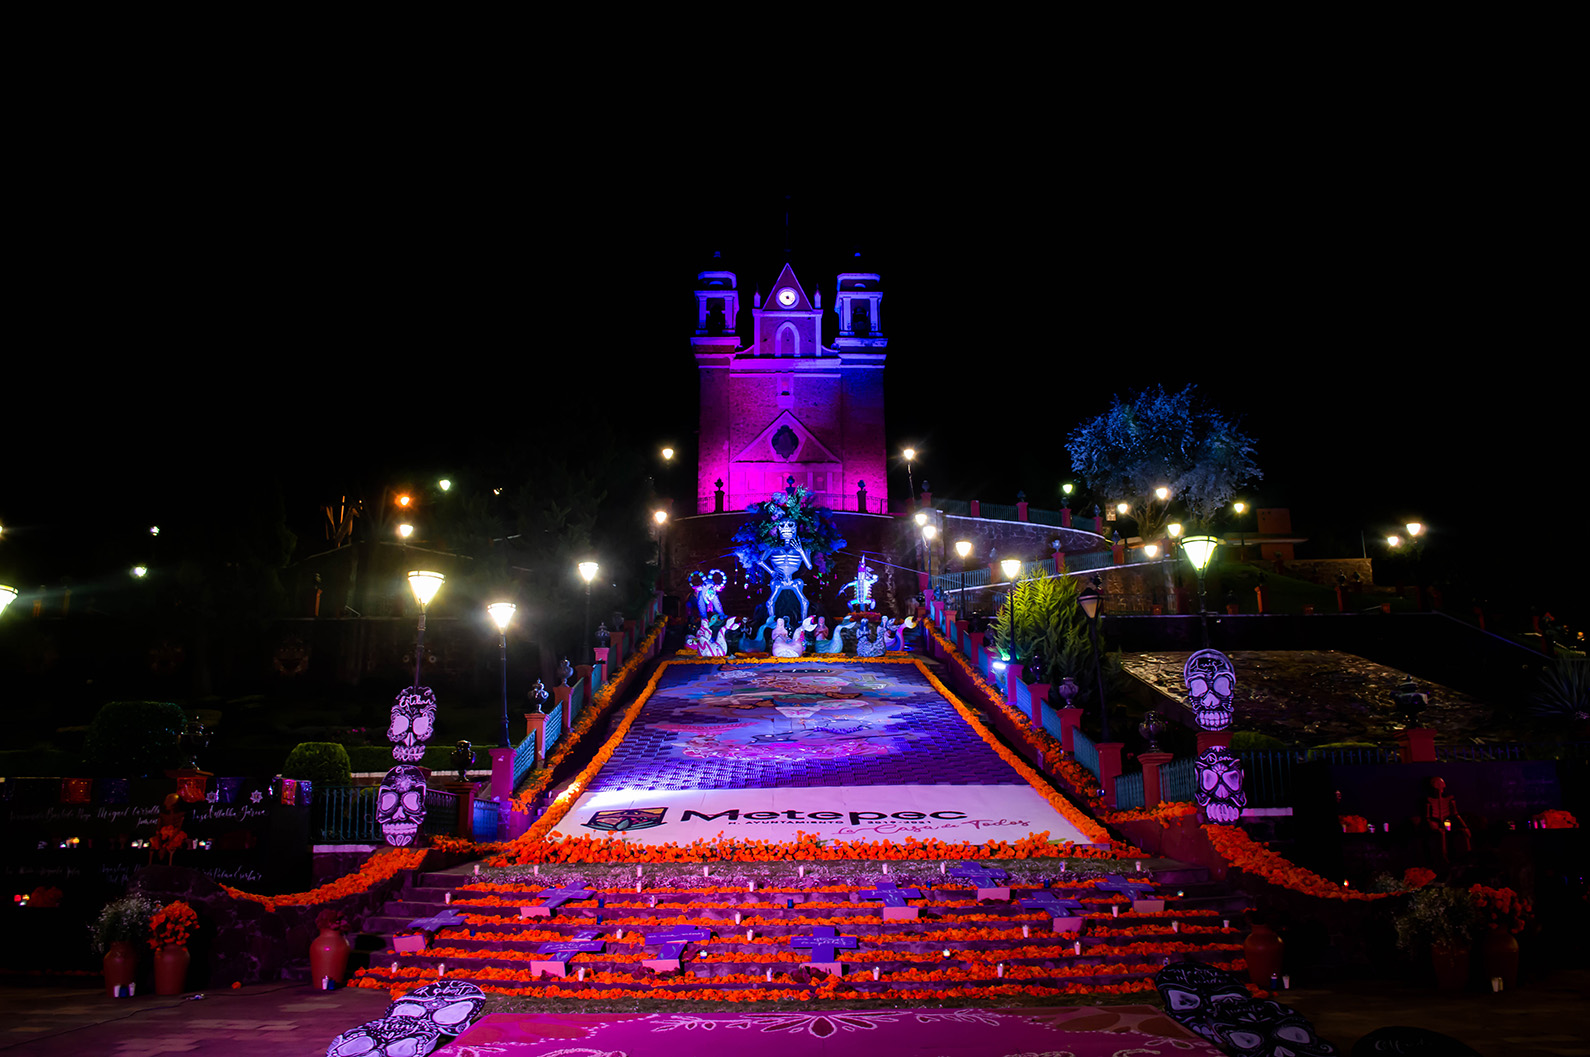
620,933
1225,923
1025,932
637,871
1286,982
736,917
941,869
704,870
1139,865
1175,926
536,869
1496,983
770,976
875,973
1115,910
751,887
885,867
1077,947
637,889
999,970
1448,824
802,871
477,869
749,935
580,975
394,967
441,969
447,897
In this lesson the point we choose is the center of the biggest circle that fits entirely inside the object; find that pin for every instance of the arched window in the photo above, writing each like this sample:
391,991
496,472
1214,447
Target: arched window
787,342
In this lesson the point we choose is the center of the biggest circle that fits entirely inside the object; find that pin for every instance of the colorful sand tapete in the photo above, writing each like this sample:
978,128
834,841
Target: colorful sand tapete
847,751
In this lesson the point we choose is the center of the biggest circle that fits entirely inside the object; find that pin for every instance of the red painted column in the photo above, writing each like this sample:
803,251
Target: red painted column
1040,692
582,673
464,824
501,774
976,508
1109,769
1417,745
1152,761
535,727
1021,510
960,634
976,653
1012,677
1070,720
1259,591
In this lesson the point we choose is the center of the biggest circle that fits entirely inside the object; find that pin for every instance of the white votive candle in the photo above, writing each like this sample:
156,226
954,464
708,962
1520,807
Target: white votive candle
874,973
1175,926
1076,948
736,917
447,897
580,975
999,970
1115,910
1026,933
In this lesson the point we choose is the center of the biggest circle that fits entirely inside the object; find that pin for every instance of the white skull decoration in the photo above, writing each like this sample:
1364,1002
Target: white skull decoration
451,1005
400,805
413,723
387,1037
1211,684
1193,992
1259,1027
1219,790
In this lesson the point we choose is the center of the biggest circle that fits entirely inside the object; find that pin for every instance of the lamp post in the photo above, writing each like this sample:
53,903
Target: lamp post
928,533
1012,570
964,549
501,614
661,517
1199,549
1240,508
1092,601
587,573
424,584
910,454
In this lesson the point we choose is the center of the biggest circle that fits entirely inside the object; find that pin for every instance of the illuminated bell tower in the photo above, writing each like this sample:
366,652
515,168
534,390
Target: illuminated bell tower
786,405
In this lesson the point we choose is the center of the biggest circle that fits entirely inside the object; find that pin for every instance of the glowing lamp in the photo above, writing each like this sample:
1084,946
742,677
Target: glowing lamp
501,614
1239,506
910,453
929,531
1067,488
404,500
425,584
1414,528
1011,567
963,548
1393,541
588,571
154,530
444,484
1151,551
1162,493
660,516
1121,508
668,453
1174,528
405,531
1199,549
920,518
7,596
140,571
1089,601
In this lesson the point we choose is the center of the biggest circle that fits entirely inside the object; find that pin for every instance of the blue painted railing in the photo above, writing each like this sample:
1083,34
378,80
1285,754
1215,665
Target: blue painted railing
524,760
441,813
346,814
487,820
1128,790
554,727
1051,721
1024,698
1083,749
1178,780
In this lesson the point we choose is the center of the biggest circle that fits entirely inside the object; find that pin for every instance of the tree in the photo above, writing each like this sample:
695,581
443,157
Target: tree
1050,623
1158,439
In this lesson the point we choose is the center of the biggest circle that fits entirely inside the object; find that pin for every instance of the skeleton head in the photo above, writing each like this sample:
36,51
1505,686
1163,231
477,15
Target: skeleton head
1211,682
388,1037
786,530
413,722
1191,992
1219,790
450,1005
400,805
1258,1027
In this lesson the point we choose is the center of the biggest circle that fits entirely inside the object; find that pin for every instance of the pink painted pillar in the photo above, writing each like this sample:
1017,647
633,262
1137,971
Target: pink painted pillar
630,637
1109,769
1012,677
1118,553
1021,510
927,500
1417,745
1152,761
582,672
1065,517
602,669
1040,693
976,639
535,727
1059,563
960,635
976,508
502,775
1070,720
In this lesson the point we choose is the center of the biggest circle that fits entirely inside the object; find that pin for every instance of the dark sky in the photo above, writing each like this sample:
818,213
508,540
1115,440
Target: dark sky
1387,320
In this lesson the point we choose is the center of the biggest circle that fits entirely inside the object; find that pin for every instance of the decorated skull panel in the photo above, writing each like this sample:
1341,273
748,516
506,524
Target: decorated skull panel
1219,790
1211,685
400,805
1260,1028
1192,990
387,1037
451,1005
413,722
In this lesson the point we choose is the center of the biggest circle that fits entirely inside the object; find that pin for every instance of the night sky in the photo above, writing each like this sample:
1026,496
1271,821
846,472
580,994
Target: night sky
1390,336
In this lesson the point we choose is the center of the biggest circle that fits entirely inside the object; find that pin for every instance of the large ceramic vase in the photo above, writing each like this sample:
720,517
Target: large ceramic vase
1451,966
1263,950
121,966
1500,951
328,957
171,970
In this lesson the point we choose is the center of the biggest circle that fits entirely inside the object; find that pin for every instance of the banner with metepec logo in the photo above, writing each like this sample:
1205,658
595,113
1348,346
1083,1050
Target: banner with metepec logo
847,750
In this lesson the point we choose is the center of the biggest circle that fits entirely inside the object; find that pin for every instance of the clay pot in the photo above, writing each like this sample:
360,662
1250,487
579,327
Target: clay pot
1451,966
121,966
171,970
328,957
1500,951
1263,950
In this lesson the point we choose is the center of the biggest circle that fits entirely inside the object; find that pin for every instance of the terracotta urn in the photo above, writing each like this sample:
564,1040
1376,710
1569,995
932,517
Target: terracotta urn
121,966
1263,949
1451,966
328,957
171,970
1500,951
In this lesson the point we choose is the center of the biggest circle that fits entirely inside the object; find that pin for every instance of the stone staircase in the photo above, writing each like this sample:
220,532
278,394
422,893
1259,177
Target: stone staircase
953,942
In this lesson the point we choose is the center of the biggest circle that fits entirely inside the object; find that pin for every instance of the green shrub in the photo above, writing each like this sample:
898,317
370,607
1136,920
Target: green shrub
124,920
378,759
1253,741
321,762
134,738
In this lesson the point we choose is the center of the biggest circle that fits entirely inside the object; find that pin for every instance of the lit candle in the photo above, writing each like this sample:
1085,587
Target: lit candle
1448,824
875,973
749,935
447,897
441,969
770,976
751,887
620,933
1139,865
394,967
999,970
637,871
1077,947
1286,983
1025,932
1175,926
802,871
477,869
704,871
580,975
941,869
1225,923
885,867
736,917
1115,910
536,869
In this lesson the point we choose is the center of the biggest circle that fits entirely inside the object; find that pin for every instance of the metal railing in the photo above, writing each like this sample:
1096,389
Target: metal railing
346,814
524,760
1051,721
487,820
1178,780
1083,749
1128,790
554,727
441,813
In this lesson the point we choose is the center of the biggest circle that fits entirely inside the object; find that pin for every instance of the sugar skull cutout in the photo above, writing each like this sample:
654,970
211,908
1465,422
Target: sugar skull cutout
1219,790
400,804
413,722
1211,686
1258,1027
1192,991
387,1037
451,1005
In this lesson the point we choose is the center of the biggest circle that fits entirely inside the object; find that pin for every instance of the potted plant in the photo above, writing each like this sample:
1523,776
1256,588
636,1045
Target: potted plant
1443,920
122,927
169,930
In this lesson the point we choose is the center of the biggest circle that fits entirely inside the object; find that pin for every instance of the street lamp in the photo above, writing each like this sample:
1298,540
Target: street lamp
8,595
964,549
910,454
1393,541
501,614
1414,528
588,573
668,454
424,584
1091,601
1012,570
140,571
405,531
444,484
1199,549
661,517
928,532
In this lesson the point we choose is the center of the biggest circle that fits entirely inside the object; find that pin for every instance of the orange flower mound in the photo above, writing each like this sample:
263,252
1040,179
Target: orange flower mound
377,868
1556,819
171,925
168,838
1165,812
1353,823
1417,876
1503,907
1242,851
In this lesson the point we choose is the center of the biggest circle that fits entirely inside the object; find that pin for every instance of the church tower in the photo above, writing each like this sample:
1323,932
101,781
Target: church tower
785,405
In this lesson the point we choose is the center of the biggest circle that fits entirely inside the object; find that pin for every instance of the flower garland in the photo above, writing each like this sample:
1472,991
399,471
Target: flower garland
525,800
1165,812
377,868
1242,851
171,925
1417,876
1041,741
1555,818
168,838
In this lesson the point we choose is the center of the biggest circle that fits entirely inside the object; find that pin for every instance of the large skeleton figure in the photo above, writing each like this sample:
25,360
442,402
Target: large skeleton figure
862,585
782,561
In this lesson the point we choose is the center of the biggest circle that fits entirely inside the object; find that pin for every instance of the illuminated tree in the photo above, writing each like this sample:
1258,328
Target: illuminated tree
1156,439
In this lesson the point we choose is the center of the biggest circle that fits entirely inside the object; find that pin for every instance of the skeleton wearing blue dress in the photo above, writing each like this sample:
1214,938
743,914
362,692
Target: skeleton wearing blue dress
782,561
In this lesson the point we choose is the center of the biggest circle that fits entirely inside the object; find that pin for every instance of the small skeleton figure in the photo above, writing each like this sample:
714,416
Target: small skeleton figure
862,586
707,589
1445,829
